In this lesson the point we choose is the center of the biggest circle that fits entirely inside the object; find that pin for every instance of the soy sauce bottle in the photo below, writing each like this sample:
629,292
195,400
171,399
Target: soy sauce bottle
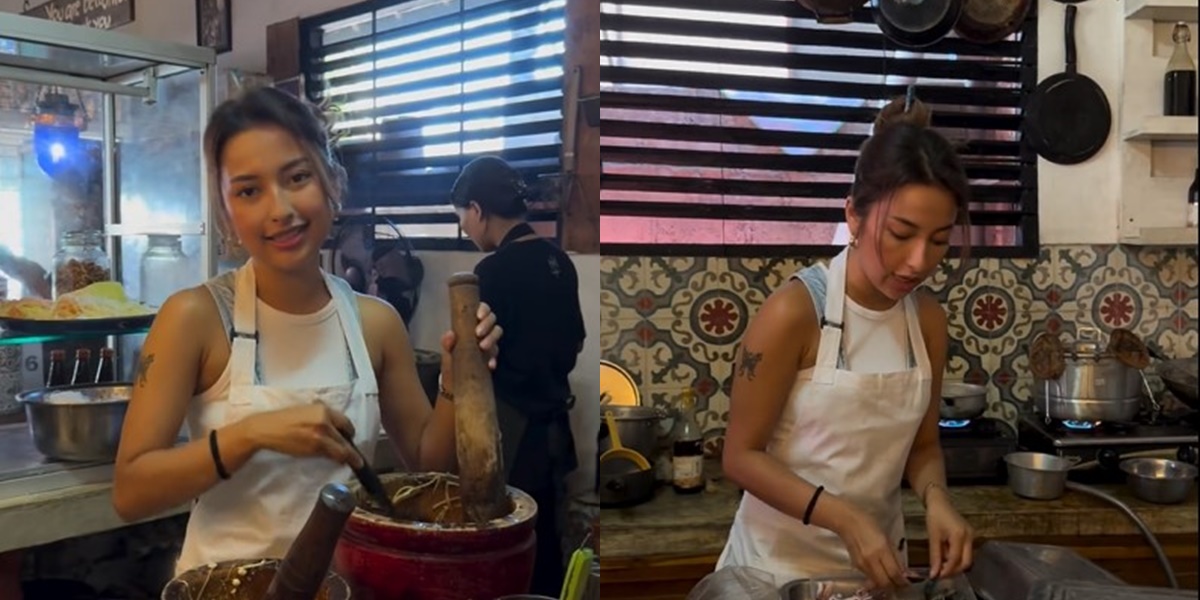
1179,84
56,373
83,367
687,452
104,367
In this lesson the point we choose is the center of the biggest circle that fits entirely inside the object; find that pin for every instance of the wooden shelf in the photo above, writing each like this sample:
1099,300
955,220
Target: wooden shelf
1163,236
1162,10
1163,129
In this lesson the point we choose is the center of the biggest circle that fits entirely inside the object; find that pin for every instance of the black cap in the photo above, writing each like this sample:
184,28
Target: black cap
493,184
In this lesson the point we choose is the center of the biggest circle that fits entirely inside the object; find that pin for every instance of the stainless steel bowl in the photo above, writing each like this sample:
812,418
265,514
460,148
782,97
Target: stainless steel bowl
1159,480
80,423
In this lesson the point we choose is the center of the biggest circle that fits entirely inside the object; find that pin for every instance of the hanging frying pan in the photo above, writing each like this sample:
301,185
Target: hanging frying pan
991,21
832,12
916,23
1067,119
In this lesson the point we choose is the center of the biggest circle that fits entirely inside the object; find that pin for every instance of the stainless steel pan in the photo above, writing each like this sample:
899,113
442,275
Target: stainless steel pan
962,401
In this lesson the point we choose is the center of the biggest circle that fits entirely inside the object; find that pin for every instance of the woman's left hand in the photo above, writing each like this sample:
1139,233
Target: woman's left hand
487,332
950,537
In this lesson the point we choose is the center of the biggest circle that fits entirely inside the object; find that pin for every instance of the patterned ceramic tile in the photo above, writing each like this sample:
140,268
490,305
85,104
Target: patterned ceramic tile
676,322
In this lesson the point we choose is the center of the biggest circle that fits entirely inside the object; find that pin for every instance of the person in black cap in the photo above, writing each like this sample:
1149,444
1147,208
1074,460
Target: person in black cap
533,289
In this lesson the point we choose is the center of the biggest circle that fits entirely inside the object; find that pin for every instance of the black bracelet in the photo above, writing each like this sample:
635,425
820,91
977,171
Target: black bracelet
216,455
812,503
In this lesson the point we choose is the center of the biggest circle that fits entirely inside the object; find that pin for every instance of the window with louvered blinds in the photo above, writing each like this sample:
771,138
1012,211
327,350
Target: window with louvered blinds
423,87
731,127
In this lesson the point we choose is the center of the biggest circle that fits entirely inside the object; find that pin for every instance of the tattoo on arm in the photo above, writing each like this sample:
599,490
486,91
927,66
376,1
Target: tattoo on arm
144,369
749,364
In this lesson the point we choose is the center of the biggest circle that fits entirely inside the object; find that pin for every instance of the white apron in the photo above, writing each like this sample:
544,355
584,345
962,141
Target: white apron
850,432
262,507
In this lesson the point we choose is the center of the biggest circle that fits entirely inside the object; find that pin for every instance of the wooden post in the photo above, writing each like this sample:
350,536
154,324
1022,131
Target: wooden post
477,434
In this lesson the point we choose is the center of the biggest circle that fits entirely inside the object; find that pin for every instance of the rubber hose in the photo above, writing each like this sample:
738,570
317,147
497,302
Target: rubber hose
1158,551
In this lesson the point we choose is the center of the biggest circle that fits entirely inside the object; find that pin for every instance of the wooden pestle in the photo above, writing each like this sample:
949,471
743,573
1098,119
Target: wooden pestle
477,434
304,569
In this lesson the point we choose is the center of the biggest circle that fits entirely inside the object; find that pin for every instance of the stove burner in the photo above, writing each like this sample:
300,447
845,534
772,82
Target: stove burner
1081,425
953,423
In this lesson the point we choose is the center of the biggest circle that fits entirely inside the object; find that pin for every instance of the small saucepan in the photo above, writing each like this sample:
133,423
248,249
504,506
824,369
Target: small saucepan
961,401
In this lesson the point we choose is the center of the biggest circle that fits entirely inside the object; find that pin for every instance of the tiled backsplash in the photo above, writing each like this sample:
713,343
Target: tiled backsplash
676,322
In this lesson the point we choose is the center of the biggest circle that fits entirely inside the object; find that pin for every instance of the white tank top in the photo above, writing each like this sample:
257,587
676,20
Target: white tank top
875,341
294,351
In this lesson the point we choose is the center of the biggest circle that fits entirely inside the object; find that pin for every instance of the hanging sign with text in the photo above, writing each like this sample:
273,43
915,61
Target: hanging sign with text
99,14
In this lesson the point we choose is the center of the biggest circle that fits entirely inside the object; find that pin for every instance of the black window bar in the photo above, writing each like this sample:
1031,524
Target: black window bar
422,87
730,127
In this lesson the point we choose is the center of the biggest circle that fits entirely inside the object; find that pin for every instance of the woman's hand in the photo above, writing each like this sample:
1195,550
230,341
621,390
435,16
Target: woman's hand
309,430
487,332
950,537
870,551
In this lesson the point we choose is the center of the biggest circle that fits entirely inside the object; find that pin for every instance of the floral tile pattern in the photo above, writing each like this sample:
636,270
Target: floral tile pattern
675,322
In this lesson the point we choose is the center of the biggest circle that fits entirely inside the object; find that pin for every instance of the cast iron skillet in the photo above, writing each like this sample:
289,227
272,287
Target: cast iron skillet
832,12
916,23
991,21
1067,119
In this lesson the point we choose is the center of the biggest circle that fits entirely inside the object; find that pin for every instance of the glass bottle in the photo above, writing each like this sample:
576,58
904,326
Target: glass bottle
81,374
104,367
164,269
80,261
56,374
687,451
1179,83
1193,199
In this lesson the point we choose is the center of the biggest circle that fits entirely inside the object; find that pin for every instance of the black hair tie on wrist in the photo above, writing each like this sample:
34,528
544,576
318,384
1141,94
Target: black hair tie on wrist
216,455
812,504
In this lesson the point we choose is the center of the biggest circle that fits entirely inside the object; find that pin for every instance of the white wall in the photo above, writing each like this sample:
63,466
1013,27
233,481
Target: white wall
433,318
1079,204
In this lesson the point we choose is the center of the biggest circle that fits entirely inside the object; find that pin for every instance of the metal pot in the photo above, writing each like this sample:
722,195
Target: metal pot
962,401
637,427
1038,476
1094,386
1159,480
79,423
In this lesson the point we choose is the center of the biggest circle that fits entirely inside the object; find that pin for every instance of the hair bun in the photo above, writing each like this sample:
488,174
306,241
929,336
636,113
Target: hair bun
917,115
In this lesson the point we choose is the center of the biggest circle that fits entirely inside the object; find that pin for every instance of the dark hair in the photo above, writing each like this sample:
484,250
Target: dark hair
903,150
494,185
266,106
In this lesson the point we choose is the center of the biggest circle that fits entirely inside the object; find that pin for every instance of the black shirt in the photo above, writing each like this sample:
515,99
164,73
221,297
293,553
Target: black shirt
533,289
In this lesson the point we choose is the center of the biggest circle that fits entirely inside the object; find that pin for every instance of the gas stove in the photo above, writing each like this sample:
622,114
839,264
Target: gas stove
1107,443
974,450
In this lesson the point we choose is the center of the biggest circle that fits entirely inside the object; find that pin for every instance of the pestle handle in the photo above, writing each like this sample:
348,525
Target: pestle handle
477,434
303,570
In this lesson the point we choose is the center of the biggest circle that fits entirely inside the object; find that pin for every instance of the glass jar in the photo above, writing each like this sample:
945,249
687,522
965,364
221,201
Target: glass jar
80,261
164,269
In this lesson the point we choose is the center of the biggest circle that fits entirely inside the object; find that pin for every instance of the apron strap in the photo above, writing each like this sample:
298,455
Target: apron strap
830,346
348,315
243,353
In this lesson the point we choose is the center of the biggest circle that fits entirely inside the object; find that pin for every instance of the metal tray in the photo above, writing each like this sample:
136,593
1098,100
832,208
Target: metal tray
71,326
846,586
1010,570
1088,590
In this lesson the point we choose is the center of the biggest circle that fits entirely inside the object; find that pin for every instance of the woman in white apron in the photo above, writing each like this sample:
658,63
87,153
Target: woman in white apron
272,364
832,402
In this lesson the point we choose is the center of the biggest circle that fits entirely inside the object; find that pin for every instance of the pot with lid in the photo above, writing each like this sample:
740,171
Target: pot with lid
1083,381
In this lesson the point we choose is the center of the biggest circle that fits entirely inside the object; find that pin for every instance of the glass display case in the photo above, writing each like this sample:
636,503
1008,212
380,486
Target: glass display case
101,172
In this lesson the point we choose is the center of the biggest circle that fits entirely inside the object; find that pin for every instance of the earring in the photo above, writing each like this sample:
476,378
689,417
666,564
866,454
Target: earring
854,241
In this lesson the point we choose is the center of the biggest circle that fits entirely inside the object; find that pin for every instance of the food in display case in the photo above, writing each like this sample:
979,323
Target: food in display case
103,300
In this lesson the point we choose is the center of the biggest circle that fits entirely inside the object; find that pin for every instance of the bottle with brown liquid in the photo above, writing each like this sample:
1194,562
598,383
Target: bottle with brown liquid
1193,199
1179,84
687,452
56,373
104,367
83,367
